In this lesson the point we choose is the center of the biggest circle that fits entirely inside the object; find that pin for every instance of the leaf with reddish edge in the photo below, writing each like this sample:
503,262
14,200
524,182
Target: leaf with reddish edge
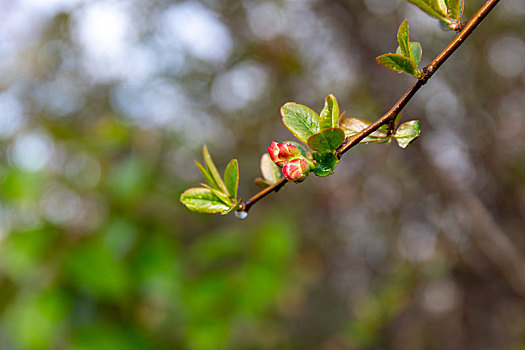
407,133
353,126
327,140
302,121
231,178
399,63
330,113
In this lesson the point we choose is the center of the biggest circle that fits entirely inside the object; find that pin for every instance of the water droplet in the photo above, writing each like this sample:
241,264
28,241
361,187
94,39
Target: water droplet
241,214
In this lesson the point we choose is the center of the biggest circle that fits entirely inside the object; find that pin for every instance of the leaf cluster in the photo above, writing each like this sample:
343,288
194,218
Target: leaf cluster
218,196
407,56
321,133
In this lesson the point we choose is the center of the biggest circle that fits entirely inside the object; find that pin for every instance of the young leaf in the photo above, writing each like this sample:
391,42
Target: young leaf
330,113
231,178
352,126
455,9
407,133
300,120
212,169
202,200
207,175
222,196
325,163
432,8
271,173
399,64
417,52
442,5
403,40
327,140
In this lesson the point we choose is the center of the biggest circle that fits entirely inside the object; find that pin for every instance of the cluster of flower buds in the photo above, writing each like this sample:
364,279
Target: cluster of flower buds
295,166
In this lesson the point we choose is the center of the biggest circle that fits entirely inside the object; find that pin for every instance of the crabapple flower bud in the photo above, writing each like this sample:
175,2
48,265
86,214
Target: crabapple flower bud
297,169
283,152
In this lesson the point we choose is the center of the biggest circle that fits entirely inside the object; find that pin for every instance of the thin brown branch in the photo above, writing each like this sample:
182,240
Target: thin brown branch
246,205
428,71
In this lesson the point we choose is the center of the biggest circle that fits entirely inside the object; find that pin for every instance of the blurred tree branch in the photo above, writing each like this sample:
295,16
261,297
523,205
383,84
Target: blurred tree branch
486,234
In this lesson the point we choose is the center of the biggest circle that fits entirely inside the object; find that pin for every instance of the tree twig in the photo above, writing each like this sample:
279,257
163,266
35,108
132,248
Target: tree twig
428,71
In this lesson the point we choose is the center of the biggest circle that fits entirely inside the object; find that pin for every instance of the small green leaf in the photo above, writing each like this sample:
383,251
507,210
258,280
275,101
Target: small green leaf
455,9
325,163
432,8
300,120
407,133
442,6
222,196
231,178
202,200
271,173
353,126
212,169
403,40
327,140
330,113
399,64
206,175
417,52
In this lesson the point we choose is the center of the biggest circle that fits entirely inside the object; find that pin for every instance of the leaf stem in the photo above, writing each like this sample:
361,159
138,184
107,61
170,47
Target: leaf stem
390,116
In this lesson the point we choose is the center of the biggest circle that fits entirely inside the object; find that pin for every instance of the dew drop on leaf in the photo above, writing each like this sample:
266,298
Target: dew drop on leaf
241,214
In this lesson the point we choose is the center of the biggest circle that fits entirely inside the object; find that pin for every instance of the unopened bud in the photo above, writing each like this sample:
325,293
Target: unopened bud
297,169
283,152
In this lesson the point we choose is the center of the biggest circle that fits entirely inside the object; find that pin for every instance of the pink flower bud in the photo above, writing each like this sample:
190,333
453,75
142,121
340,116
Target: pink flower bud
296,170
283,152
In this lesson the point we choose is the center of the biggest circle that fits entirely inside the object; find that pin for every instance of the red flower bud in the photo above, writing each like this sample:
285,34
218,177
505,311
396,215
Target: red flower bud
283,152
296,170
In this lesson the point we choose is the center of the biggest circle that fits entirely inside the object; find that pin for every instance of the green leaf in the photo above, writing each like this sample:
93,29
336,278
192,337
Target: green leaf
403,40
212,169
432,8
271,173
300,120
207,175
442,6
327,140
325,163
222,196
417,52
330,113
231,178
202,200
455,8
399,64
407,133
353,126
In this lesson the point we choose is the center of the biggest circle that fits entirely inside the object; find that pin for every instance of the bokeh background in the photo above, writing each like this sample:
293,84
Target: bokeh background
104,106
